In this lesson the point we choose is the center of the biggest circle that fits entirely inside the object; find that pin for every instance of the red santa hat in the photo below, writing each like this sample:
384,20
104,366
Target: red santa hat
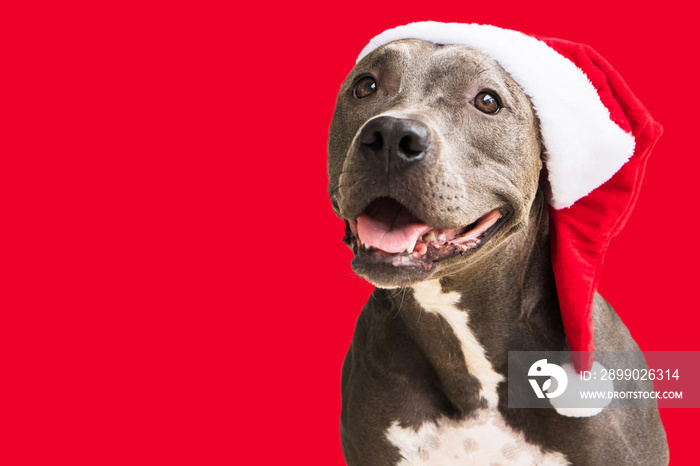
597,137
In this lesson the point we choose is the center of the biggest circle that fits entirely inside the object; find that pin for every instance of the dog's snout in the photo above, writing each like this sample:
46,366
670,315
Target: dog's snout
394,139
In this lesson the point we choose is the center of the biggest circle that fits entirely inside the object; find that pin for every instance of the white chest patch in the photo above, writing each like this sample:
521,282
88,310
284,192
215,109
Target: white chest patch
431,298
484,439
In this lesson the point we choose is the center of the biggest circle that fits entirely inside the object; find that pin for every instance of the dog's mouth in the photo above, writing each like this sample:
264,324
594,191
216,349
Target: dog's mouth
389,232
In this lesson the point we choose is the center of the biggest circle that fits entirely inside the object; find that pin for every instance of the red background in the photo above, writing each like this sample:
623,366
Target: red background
176,291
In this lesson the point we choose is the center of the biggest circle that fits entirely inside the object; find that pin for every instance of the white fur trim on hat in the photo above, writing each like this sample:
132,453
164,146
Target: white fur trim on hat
584,147
573,403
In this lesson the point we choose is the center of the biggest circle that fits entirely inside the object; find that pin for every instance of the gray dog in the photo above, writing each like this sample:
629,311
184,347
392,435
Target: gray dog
435,164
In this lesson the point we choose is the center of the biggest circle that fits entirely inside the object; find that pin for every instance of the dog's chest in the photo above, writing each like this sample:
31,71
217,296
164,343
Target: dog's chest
484,438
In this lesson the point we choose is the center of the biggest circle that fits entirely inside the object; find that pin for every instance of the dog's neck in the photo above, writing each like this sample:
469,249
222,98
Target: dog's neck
466,323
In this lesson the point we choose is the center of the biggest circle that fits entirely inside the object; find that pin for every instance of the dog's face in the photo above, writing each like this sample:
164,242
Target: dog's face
434,160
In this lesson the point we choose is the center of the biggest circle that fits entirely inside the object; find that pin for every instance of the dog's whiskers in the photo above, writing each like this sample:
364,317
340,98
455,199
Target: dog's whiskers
349,186
403,295
484,70
478,65
352,171
335,190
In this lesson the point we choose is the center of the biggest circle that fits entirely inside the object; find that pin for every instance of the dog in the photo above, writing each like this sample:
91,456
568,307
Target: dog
435,165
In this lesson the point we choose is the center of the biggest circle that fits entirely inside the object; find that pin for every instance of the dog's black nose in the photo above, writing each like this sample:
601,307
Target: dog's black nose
394,140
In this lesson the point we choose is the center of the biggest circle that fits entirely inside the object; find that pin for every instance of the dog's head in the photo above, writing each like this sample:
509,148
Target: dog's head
434,160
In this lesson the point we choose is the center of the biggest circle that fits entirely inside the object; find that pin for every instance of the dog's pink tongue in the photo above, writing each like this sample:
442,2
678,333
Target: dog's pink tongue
389,226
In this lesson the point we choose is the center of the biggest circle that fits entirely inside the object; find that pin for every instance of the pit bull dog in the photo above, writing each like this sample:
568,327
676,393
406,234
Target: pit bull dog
435,164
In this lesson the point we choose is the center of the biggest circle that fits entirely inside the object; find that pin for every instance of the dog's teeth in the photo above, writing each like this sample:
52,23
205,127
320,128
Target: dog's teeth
441,237
472,244
430,236
410,248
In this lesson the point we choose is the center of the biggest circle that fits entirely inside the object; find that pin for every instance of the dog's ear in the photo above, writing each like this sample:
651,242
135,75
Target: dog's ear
597,137
544,180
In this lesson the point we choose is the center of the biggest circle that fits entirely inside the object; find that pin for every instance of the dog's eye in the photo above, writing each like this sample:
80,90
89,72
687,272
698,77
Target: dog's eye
364,87
487,103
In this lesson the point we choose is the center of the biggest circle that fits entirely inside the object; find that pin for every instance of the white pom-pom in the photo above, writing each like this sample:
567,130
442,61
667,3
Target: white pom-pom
572,403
